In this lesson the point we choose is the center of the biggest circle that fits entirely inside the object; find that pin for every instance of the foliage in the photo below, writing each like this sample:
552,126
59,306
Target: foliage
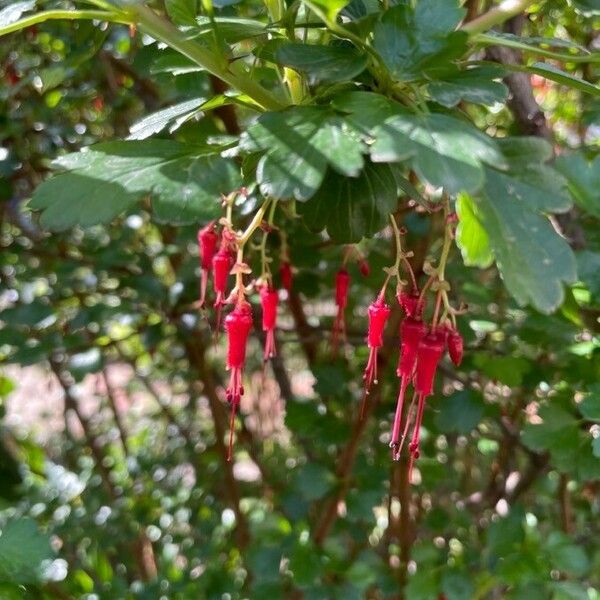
119,140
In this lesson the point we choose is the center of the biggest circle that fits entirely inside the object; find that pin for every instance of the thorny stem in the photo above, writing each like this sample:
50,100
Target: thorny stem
496,15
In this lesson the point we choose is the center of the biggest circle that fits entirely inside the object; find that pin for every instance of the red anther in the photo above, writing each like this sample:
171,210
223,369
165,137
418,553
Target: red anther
379,313
411,332
431,349
363,267
269,298
455,346
342,284
285,271
207,246
238,324
409,302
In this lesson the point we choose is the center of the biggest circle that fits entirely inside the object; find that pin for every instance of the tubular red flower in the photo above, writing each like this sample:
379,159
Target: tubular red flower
342,284
207,246
238,324
455,346
431,349
285,271
269,298
412,331
379,313
221,263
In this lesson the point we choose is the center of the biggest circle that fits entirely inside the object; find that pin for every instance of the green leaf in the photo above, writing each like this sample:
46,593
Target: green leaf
460,413
330,7
322,63
566,556
174,115
102,181
587,8
12,13
411,40
589,407
583,177
471,85
445,151
350,209
505,369
231,29
457,585
22,550
181,12
533,259
555,74
300,143
471,237
588,267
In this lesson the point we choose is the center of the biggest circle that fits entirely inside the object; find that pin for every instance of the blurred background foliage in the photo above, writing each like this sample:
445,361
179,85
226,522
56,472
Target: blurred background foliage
119,487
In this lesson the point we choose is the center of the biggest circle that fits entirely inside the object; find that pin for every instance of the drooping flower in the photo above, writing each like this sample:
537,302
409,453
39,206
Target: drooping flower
455,346
430,351
342,284
207,246
269,298
238,324
222,263
412,331
379,313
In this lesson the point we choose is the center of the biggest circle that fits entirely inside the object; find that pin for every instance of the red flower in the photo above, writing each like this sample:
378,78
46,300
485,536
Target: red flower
269,298
238,324
455,346
412,331
379,313
431,349
207,246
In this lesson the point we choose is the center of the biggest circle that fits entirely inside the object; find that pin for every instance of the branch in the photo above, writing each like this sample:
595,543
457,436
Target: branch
499,14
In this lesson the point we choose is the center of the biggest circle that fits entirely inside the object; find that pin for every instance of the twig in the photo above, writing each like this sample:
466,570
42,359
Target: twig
499,14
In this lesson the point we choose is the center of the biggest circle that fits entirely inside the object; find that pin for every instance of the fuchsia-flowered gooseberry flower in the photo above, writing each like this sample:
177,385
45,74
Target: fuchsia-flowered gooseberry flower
238,324
285,271
342,285
455,346
207,246
412,331
269,298
430,351
379,313
222,263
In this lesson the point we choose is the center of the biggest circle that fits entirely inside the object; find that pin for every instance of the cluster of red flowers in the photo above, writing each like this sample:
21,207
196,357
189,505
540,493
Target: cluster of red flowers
239,321
422,345
421,349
